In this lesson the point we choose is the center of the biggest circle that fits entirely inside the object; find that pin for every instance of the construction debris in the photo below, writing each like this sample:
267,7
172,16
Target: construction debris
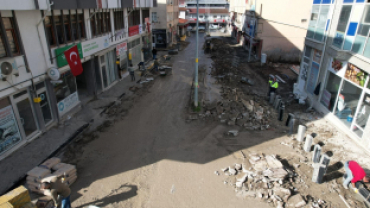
264,177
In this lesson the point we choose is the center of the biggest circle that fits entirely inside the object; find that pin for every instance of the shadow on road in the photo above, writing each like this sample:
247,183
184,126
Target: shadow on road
127,191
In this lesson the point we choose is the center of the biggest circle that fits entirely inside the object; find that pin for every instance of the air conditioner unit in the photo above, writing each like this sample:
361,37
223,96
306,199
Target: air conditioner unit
6,69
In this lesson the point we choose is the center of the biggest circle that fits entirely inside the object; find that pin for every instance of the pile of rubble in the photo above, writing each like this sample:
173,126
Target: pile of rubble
266,178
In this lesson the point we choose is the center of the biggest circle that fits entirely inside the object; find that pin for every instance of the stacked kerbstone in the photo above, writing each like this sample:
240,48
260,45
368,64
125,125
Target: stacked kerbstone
46,171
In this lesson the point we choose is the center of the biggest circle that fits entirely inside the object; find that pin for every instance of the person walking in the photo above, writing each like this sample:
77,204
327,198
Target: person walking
58,188
154,52
131,70
354,173
156,65
273,85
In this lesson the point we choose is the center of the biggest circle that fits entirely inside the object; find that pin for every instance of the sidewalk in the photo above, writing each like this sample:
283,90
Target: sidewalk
88,118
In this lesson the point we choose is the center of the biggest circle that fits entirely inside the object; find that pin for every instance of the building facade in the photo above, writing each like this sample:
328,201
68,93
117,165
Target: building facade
335,65
37,88
213,14
276,28
165,17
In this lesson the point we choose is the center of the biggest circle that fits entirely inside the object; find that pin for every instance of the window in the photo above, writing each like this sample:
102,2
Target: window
64,26
342,25
362,36
118,20
145,14
154,17
9,45
77,26
134,18
66,88
318,22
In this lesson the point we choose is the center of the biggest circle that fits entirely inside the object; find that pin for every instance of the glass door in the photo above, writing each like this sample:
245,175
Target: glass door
362,116
45,103
108,68
26,114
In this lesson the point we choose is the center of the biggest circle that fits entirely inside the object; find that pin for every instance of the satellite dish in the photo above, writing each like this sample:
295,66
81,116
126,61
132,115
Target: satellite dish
6,68
54,74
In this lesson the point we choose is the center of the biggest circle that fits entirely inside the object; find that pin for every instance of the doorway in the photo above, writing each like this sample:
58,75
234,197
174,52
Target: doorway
25,113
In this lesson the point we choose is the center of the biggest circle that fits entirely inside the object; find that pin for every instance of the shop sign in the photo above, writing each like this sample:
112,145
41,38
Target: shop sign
337,67
133,30
94,45
121,48
311,82
355,75
68,103
59,53
326,96
10,134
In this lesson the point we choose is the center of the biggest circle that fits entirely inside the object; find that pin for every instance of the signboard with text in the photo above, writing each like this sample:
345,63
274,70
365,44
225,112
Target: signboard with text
59,53
68,103
94,45
121,48
134,30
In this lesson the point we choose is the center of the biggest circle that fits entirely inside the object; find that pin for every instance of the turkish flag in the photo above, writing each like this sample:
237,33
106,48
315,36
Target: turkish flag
74,60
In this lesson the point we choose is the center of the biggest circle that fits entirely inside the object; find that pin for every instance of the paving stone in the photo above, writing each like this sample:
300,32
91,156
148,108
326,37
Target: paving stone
272,162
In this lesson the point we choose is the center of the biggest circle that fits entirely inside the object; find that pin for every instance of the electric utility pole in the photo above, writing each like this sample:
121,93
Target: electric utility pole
196,85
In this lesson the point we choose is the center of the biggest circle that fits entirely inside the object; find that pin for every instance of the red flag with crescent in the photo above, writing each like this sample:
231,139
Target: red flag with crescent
74,60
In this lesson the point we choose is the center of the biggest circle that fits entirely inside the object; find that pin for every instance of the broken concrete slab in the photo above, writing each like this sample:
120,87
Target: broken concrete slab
273,163
296,201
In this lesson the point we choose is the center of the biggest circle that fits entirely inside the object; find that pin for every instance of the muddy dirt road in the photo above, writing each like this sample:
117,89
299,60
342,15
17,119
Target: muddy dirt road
153,157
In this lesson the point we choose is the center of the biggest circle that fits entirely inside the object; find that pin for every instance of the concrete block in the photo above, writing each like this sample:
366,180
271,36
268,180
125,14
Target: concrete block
318,173
316,154
301,132
272,98
308,143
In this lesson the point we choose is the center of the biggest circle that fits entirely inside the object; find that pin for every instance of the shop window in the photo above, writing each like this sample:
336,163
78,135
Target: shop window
66,88
9,131
347,102
362,116
331,89
342,25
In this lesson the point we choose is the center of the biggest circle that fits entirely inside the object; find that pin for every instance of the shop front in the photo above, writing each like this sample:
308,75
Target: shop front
134,49
346,94
24,115
159,38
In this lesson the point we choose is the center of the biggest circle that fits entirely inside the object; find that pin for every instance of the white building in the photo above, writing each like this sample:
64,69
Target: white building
335,65
34,35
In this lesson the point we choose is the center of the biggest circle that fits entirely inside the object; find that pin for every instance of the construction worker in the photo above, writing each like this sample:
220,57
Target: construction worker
354,173
58,188
273,84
